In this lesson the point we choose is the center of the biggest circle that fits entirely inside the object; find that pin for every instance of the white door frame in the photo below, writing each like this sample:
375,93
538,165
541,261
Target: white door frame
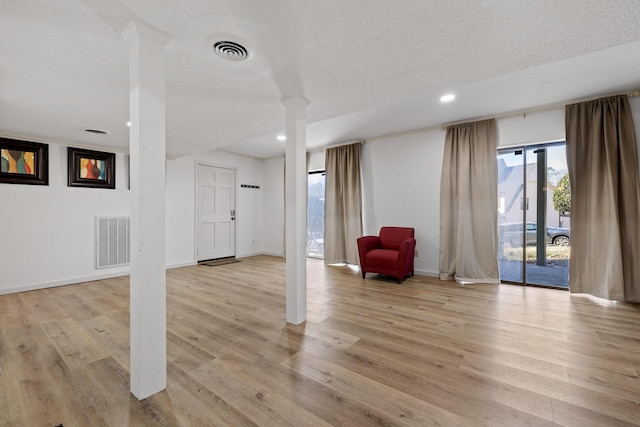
196,180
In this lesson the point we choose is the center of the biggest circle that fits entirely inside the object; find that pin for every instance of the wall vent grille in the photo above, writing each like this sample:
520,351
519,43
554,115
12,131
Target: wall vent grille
112,241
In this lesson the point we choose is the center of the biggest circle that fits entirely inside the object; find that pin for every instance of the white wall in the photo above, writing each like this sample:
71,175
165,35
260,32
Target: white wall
316,160
180,212
401,176
273,218
401,182
533,128
273,221
547,126
181,204
48,231
401,187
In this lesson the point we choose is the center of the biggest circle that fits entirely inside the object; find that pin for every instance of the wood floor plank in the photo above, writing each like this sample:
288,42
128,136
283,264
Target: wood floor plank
112,337
336,408
330,335
447,387
15,312
184,355
387,405
31,359
567,414
606,403
154,411
587,357
624,386
259,405
13,411
107,382
196,405
74,345
76,307
79,400
372,352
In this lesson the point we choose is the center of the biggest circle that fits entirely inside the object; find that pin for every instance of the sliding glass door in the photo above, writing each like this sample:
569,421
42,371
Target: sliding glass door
533,215
511,200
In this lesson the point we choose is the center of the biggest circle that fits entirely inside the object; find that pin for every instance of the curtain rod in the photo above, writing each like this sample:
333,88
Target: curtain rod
542,109
339,144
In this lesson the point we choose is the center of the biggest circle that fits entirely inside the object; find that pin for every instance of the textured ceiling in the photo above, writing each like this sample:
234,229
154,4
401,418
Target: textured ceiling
369,68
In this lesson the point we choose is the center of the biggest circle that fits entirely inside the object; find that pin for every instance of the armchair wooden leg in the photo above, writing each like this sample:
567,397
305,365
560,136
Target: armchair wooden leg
363,274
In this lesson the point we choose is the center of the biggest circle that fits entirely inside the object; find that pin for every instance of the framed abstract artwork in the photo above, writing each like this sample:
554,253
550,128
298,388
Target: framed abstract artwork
24,162
88,168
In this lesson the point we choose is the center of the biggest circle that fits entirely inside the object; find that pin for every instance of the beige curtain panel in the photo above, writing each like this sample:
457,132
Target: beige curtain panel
605,199
469,204
343,204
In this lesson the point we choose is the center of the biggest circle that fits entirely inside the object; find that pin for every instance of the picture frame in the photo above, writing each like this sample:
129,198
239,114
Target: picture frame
23,162
89,168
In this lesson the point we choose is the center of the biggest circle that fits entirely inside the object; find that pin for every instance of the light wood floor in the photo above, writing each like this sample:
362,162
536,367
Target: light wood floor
372,353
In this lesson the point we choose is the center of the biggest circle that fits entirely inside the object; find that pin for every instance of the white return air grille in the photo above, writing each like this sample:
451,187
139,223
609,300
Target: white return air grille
112,241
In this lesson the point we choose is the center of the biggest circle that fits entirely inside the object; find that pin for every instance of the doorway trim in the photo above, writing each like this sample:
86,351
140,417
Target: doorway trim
521,149
196,200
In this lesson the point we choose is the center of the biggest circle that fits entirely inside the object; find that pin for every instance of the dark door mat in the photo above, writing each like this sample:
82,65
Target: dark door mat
217,262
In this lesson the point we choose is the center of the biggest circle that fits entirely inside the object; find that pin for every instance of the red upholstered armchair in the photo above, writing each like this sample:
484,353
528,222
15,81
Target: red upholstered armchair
390,254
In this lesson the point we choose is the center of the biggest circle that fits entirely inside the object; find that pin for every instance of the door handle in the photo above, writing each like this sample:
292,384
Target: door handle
233,214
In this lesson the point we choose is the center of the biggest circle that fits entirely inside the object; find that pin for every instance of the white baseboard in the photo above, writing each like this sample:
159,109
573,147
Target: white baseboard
258,253
102,276
239,256
76,280
63,282
181,264
427,273
270,254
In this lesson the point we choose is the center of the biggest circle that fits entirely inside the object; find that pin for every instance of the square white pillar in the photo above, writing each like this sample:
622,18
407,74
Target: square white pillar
147,173
296,209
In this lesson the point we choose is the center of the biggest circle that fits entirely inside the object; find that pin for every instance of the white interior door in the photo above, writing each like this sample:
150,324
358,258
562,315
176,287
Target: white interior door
216,212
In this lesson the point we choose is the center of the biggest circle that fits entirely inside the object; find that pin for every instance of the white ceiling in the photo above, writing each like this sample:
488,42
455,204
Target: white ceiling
369,68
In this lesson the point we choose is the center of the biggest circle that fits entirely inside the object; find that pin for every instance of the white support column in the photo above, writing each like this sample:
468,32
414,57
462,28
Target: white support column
147,142
296,209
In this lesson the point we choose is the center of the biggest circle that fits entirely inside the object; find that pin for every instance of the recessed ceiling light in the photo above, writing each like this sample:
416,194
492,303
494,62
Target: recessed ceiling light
447,98
282,137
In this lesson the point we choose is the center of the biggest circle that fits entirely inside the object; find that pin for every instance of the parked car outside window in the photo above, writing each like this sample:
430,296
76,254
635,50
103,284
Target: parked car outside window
511,234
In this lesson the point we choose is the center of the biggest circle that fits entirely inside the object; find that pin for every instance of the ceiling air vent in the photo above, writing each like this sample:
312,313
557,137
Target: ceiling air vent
97,131
231,51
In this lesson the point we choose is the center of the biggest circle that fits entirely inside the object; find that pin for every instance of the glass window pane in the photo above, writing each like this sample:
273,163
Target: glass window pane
533,219
510,232
315,215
